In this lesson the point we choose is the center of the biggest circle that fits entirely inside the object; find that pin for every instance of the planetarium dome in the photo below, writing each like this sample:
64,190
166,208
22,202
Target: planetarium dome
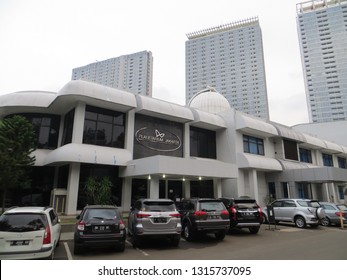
209,100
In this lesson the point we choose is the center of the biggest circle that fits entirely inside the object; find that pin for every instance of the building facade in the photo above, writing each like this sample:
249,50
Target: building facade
322,29
156,149
133,72
230,59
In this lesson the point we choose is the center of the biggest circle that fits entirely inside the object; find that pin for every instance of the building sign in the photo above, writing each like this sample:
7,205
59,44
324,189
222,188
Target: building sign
155,136
158,140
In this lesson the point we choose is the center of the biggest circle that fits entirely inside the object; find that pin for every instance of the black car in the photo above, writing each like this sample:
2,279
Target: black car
244,213
203,215
99,226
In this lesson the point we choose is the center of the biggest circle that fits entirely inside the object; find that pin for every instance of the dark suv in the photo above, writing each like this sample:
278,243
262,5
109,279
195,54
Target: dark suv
203,215
99,226
244,213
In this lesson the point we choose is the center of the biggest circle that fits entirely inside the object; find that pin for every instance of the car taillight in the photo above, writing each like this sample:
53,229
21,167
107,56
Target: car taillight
176,215
260,213
233,213
142,215
338,214
224,213
81,226
200,214
47,236
121,225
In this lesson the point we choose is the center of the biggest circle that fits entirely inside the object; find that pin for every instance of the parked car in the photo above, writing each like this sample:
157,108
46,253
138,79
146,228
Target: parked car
203,215
99,226
332,213
29,233
154,218
302,212
244,213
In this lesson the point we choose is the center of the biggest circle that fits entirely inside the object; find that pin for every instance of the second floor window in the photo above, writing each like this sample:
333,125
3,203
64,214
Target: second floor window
253,145
328,160
104,127
342,162
305,155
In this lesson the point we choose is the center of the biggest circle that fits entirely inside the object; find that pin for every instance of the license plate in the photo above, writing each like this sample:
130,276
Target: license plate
101,228
213,217
19,243
160,220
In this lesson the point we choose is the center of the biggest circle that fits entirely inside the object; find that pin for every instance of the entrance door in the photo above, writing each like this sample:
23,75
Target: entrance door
174,190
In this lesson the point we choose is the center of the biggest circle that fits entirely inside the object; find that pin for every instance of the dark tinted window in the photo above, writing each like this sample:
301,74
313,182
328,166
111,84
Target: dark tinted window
211,206
104,214
22,222
290,149
104,127
158,206
68,127
202,143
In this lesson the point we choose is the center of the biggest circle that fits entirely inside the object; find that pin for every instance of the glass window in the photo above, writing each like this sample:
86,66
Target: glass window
342,162
46,128
104,127
328,160
68,127
305,155
202,143
253,145
290,149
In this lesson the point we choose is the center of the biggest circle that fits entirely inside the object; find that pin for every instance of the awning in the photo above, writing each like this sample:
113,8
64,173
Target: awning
207,120
88,154
249,124
258,162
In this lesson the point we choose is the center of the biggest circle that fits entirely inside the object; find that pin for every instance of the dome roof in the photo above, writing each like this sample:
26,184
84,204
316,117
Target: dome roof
209,100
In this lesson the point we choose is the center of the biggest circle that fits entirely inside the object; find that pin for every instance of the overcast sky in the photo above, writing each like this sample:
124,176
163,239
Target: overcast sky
41,41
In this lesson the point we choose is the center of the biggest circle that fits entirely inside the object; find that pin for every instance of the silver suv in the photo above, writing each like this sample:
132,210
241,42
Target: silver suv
29,233
156,218
302,212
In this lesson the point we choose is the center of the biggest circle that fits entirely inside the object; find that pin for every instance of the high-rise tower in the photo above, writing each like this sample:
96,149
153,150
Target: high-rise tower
230,59
322,29
133,72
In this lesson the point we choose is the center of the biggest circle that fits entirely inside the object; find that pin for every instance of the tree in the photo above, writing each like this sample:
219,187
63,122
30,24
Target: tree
17,142
98,190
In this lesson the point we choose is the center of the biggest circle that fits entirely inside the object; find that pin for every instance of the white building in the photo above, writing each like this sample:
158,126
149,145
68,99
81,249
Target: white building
133,72
230,59
322,29
152,148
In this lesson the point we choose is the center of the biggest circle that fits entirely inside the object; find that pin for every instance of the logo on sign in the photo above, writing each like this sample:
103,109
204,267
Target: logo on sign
158,140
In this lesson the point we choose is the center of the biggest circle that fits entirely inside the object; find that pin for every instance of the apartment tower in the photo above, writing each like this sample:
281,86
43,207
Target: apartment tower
229,58
133,72
322,29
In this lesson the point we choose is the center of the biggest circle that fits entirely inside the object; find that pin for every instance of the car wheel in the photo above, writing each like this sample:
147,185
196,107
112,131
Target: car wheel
77,249
300,222
254,230
175,241
120,248
325,222
220,235
188,233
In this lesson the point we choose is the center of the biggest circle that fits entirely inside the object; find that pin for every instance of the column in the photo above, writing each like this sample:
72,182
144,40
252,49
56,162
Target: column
154,187
126,194
78,126
217,187
72,189
253,181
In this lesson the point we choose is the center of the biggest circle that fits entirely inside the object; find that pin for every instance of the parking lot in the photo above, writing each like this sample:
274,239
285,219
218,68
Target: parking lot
286,242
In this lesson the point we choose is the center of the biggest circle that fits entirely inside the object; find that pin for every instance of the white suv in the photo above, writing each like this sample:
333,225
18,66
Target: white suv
29,233
302,212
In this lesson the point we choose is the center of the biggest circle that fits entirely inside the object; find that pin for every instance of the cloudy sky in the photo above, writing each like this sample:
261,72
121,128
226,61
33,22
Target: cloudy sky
41,41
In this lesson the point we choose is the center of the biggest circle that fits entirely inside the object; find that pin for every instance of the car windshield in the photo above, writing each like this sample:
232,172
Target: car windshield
158,206
342,207
22,222
101,214
211,206
309,203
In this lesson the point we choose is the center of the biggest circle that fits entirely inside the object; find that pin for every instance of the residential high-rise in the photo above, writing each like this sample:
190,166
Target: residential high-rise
133,72
322,29
230,59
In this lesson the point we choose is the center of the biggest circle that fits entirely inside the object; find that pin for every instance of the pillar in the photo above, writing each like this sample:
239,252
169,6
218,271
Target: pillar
72,189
